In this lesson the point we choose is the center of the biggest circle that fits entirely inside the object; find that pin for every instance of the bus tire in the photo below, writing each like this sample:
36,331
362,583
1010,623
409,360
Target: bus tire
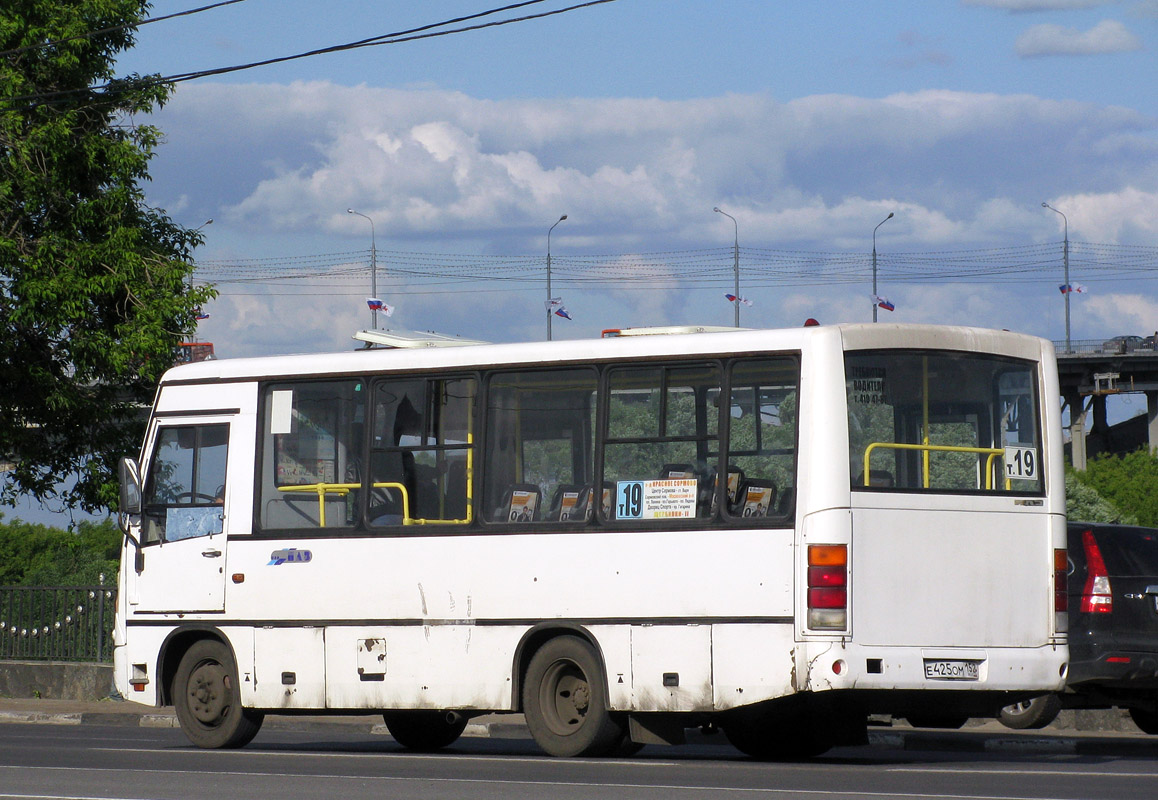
565,700
768,736
424,731
1146,719
1031,714
207,698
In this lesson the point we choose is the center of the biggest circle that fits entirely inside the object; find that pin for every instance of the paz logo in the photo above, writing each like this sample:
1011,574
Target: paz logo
290,556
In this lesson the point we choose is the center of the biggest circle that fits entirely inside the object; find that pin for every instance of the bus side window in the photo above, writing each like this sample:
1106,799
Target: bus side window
540,438
185,491
422,452
662,434
761,454
311,454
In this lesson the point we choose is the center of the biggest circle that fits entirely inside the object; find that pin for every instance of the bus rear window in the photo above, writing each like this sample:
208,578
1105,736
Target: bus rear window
942,422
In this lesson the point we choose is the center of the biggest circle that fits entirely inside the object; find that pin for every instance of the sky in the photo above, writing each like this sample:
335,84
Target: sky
807,123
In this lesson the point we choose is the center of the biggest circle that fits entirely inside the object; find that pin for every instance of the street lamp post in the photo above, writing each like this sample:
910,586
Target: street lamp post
550,311
197,230
373,265
1066,263
882,222
735,262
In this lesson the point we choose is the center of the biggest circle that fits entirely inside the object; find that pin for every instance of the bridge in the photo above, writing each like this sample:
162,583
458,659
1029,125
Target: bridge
1091,372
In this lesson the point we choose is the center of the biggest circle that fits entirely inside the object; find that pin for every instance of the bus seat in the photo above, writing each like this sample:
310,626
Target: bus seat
456,490
786,505
677,471
521,503
608,500
755,498
877,478
569,503
735,478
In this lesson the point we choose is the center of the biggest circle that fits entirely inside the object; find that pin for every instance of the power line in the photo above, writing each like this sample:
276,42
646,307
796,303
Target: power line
399,37
415,273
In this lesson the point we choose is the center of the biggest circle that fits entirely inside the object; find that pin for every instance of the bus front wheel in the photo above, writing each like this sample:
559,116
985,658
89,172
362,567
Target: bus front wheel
565,700
208,701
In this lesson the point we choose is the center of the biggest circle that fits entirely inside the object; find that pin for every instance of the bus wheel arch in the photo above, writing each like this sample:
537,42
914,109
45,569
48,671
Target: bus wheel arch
206,694
173,649
565,697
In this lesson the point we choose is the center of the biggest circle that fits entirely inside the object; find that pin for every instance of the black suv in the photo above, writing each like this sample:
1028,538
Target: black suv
1113,627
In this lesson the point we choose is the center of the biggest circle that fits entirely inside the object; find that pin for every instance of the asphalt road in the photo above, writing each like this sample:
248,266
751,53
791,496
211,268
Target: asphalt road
99,761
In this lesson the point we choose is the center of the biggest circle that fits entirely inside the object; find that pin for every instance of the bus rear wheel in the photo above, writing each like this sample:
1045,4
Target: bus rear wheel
207,699
769,738
565,700
425,731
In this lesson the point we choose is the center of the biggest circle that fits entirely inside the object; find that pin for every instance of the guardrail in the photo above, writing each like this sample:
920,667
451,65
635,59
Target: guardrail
57,623
1107,346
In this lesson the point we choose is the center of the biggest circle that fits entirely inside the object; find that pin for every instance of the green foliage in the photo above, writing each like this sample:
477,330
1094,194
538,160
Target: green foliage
1129,482
1084,503
93,292
38,555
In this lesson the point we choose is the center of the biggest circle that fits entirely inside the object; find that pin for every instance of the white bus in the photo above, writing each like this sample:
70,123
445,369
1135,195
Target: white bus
776,533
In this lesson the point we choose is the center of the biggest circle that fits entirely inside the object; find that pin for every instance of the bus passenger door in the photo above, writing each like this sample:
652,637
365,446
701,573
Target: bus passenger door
181,563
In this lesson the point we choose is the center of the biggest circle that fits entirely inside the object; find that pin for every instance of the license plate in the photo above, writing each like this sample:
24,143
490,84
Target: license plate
939,670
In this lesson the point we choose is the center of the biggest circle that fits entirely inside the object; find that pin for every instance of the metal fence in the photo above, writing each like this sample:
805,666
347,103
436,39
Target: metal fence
57,623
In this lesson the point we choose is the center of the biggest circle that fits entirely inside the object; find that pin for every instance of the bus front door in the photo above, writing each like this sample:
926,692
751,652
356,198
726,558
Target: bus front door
181,563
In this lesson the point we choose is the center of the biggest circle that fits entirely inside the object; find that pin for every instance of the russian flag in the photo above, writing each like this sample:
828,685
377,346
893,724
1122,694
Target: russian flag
885,303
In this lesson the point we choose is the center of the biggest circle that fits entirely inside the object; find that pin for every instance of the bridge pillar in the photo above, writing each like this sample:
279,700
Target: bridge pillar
1152,420
1077,430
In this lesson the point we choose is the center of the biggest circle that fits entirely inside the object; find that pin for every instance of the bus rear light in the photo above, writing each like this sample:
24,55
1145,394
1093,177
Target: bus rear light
827,555
1060,594
826,576
1096,596
827,598
828,587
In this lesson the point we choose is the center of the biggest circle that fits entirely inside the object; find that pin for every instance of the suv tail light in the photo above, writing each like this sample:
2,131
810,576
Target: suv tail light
828,586
1096,597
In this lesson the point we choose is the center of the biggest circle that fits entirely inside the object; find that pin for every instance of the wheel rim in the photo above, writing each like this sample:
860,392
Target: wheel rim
1016,709
210,696
566,697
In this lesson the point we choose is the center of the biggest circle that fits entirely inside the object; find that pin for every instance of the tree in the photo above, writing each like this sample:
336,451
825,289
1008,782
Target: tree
1083,502
1129,482
38,555
93,293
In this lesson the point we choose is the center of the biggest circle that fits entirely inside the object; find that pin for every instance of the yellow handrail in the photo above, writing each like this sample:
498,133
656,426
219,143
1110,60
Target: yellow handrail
993,452
343,489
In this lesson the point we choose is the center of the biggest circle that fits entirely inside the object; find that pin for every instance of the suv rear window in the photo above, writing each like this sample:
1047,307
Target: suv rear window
1129,551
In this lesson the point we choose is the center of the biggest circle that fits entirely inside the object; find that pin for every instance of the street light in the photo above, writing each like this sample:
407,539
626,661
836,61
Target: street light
735,261
882,222
550,311
373,265
1066,262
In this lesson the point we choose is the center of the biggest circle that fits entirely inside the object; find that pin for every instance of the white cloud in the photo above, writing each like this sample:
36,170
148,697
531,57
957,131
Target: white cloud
441,172
1108,36
1110,217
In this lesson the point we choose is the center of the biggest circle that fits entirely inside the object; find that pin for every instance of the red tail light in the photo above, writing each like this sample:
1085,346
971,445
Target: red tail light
1096,597
1060,568
828,587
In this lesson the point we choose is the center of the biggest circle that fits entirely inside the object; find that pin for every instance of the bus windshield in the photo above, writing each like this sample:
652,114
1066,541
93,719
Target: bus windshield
942,422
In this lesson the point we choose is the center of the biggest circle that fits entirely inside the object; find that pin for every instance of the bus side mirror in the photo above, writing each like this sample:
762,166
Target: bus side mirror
130,475
130,501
